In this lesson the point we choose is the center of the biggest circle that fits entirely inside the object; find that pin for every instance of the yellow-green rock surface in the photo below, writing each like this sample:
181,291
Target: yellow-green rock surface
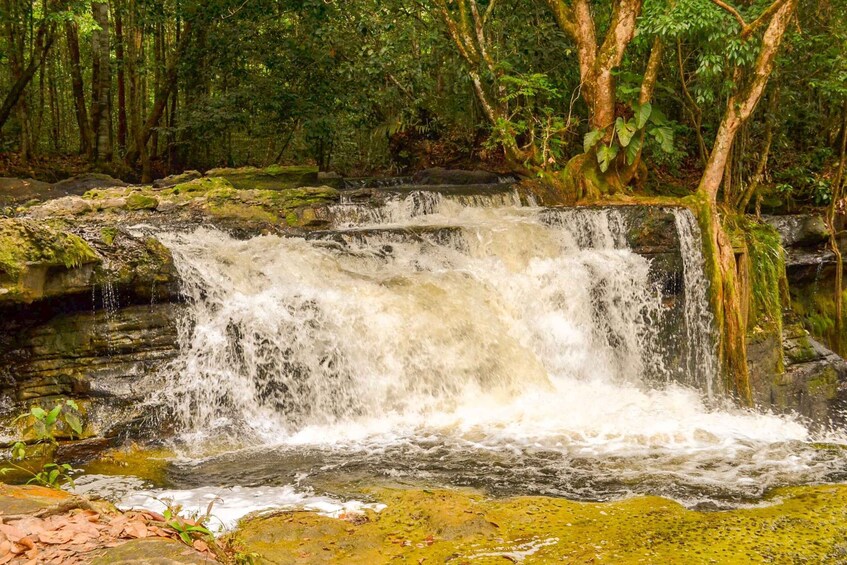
795,525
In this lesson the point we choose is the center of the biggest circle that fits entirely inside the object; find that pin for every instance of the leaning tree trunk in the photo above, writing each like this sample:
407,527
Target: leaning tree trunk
44,40
726,292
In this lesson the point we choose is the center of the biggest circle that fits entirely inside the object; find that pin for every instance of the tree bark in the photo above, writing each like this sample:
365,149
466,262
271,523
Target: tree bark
78,88
726,293
837,193
101,84
121,78
742,103
43,41
161,99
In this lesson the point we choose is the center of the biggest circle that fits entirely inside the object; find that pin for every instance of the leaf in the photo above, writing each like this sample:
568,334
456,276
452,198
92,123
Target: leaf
605,155
658,118
185,538
591,138
625,130
642,114
38,413
53,415
74,422
633,148
664,137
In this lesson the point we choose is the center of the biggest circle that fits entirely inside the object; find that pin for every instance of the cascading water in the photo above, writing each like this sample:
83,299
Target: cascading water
444,339
700,361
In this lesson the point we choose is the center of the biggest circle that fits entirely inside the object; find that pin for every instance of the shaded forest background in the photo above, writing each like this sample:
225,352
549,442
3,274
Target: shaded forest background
142,88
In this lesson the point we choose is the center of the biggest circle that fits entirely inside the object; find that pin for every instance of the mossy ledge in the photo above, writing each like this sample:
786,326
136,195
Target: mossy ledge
30,250
799,525
217,199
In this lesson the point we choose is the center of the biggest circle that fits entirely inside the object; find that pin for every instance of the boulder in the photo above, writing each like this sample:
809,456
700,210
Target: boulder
81,184
174,180
18,191
800,230
812,383
275,177
439,176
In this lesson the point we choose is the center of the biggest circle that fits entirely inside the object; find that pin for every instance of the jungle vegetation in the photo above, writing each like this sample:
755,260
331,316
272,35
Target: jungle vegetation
740,105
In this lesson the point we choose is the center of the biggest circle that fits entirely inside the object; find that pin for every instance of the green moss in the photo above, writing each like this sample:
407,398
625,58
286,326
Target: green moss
815,305
275,177
802,525
824,384
24,243
138,201
108,235
202,186
768,282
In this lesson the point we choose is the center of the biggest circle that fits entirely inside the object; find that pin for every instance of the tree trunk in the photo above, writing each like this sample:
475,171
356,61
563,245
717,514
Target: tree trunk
119,59
160,101
78,88
725,289
837,193
101,84
44,39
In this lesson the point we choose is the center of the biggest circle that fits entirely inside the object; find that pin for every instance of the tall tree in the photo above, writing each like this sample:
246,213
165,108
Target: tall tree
101,84
750,85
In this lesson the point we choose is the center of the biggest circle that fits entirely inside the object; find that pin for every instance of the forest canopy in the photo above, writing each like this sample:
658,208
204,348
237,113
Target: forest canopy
644,88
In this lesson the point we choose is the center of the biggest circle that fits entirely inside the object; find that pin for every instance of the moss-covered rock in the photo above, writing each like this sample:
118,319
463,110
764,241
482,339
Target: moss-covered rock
802,525
37,260
275,177
139,201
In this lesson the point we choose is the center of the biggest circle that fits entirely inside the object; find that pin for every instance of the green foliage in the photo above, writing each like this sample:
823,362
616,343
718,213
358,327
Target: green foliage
44,424
629,134
190,527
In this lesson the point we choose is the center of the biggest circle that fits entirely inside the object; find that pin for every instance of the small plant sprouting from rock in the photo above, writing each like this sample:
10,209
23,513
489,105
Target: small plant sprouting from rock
43,425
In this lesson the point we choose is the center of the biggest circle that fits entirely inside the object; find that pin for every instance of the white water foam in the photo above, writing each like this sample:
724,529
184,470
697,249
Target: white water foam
479,330
225,505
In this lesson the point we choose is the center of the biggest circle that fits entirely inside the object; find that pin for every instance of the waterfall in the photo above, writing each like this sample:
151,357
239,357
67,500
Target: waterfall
448,302
700,362
465,340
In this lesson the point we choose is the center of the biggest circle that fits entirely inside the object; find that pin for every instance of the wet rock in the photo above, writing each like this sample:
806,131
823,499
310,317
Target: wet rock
81,184
803,524
38,260
812,383
803,230
29,499
439,176
155,551
174,180
107,360
67,206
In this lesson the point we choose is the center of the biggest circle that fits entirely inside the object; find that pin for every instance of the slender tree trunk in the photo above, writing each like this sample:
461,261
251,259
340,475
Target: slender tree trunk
837,194
756,181
78,88
160,101
44,39
119,59
101,84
